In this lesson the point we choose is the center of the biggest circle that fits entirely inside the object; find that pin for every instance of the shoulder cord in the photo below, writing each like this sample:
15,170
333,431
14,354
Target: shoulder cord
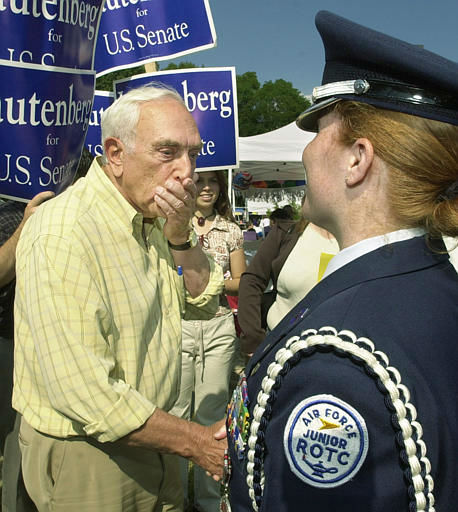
408,432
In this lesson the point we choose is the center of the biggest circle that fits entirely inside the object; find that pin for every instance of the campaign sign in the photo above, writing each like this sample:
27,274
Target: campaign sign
210,95
44,115
102,100
134,32
50,32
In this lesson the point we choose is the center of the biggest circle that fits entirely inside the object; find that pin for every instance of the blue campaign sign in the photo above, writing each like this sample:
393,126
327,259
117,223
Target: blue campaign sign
102,100
44,114
211,96
50,32
134,32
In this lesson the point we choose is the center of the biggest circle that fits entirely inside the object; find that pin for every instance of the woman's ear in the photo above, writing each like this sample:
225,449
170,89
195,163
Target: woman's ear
114,151
361,158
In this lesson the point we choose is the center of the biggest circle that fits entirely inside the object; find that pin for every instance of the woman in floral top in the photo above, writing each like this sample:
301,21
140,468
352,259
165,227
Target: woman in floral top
209,346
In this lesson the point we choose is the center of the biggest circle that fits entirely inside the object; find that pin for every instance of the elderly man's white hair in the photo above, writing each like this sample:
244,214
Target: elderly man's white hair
121,118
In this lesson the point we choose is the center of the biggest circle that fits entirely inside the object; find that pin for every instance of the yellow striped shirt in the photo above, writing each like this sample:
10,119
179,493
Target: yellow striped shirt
97,314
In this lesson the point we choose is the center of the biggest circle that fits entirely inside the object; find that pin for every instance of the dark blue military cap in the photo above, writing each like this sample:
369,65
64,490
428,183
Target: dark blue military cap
371,67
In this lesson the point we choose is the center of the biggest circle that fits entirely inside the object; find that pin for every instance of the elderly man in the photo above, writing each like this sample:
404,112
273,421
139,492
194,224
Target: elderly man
104,271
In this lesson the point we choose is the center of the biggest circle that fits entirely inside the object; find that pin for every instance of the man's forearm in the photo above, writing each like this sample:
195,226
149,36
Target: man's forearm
196,269
166,433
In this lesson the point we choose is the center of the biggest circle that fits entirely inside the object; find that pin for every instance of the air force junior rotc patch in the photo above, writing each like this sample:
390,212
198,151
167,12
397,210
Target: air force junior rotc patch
325,441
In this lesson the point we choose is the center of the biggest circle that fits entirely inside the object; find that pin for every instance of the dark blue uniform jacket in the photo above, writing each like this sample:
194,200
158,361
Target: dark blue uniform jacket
404,298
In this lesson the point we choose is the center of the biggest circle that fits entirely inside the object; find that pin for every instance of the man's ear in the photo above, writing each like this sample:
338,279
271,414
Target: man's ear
361,158
114,152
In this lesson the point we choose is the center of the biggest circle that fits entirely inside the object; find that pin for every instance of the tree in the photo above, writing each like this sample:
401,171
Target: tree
105,82
247,90
266,108
181,65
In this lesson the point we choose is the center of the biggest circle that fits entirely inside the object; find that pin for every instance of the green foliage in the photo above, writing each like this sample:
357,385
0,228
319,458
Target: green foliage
105,82
247,89
297,211
266,108
181,65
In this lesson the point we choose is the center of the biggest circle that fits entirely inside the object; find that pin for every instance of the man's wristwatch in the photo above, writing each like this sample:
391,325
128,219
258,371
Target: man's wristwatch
189,244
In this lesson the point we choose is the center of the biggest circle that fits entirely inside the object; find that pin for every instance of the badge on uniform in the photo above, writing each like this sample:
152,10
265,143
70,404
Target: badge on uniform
238,417
325,441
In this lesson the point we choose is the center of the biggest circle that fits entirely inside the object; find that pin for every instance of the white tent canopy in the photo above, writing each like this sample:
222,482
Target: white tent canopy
276,155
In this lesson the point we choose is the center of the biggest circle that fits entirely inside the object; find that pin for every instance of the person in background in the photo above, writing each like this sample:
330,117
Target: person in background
350,402
210,346
13,216
291,261
249,225
258,229
103,274
302,270
264,226
289,210
280,214
250,229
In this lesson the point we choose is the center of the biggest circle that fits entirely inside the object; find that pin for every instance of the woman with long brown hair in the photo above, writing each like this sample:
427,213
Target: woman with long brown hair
209,346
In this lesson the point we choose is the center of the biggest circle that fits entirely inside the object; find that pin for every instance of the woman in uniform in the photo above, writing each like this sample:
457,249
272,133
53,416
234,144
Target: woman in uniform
350,403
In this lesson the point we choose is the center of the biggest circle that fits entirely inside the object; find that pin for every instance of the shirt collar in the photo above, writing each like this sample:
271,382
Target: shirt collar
114,200
370,244
220,223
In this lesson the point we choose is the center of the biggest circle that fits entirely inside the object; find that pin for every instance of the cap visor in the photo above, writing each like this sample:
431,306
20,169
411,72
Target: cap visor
308,120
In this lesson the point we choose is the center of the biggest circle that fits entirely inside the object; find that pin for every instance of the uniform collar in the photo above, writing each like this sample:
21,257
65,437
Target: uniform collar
370,244
404,256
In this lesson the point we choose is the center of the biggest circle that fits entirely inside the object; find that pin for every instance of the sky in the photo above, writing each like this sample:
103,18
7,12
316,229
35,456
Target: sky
278,39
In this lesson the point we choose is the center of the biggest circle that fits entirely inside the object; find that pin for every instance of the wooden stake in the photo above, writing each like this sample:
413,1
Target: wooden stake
150,67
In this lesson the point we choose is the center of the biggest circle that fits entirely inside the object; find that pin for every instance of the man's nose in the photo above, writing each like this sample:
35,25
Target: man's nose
185,166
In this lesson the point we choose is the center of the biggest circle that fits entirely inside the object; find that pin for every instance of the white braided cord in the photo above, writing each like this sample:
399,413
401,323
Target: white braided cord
389,376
